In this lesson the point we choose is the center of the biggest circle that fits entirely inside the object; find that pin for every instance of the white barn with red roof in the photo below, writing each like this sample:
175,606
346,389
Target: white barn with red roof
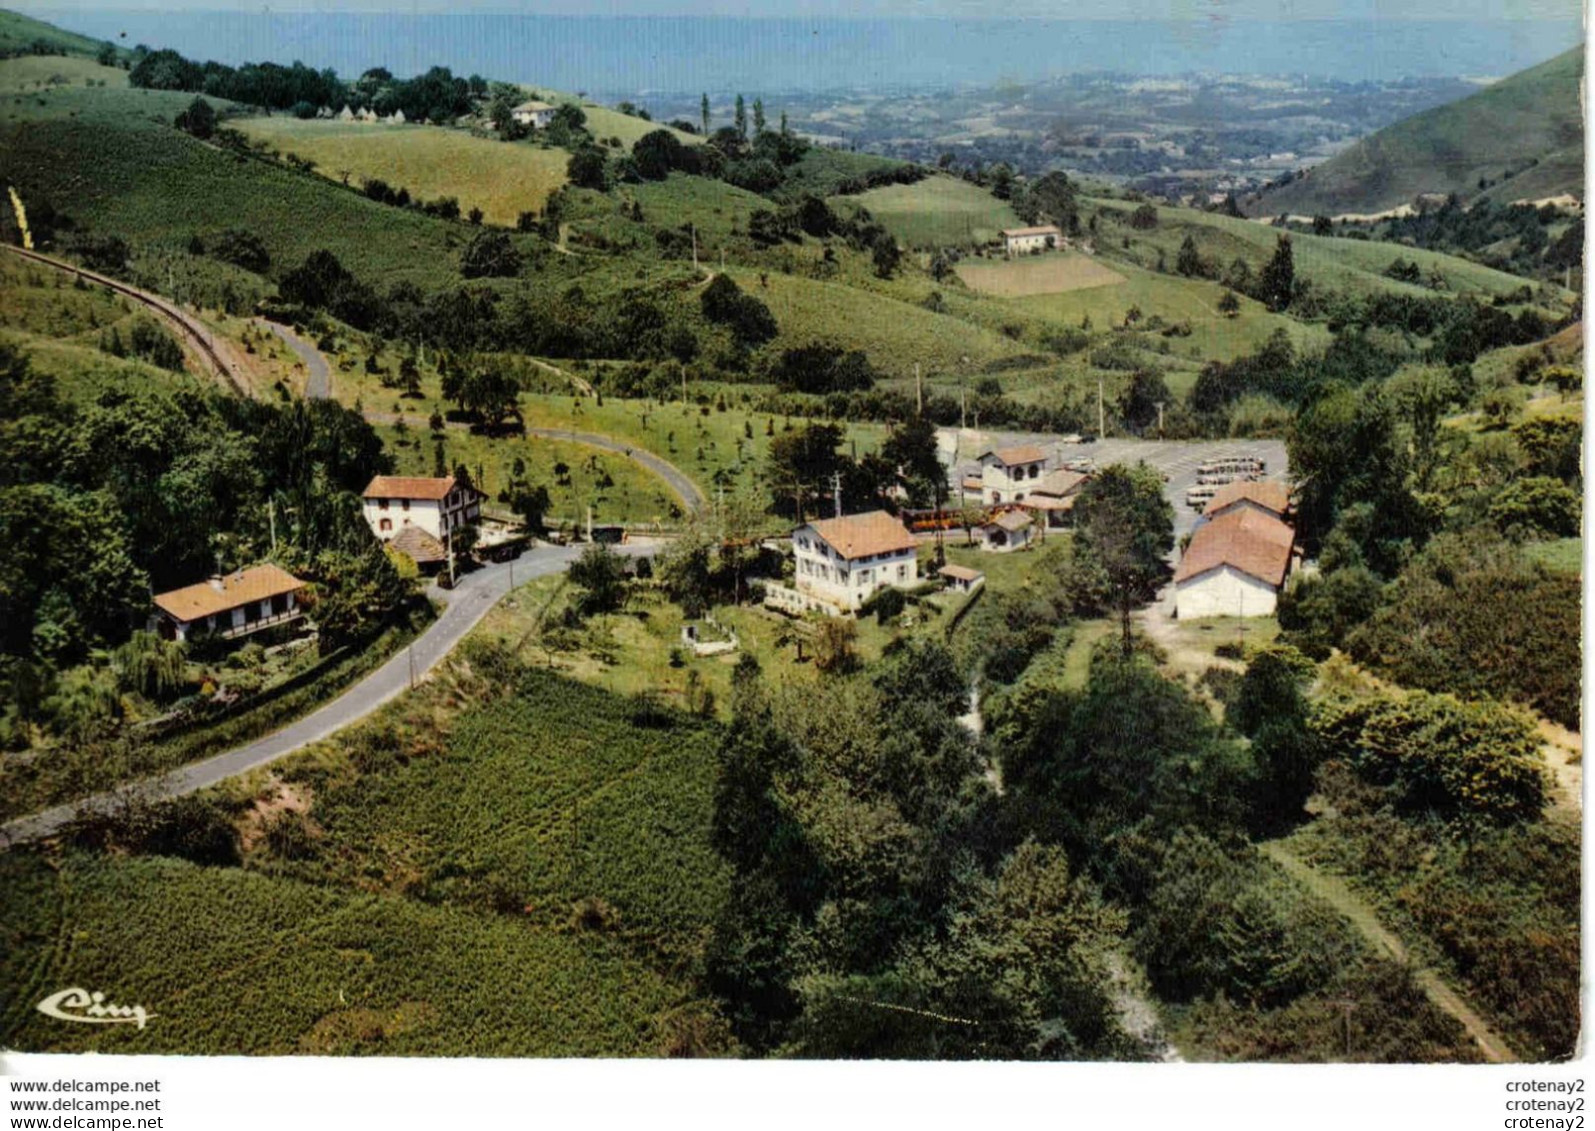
1234,566
435,505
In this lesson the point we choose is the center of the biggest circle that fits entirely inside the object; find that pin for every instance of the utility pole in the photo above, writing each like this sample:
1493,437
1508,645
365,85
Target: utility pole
919,391
271,516
1159,420
836,487
1101,426
1346,1005
410,651
695,248
449,534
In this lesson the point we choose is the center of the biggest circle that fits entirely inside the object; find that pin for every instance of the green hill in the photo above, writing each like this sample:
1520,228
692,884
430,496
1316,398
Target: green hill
22,35
1521,138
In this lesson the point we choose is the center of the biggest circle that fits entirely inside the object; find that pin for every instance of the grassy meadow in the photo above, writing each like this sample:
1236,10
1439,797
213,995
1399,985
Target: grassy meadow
503,179
938,211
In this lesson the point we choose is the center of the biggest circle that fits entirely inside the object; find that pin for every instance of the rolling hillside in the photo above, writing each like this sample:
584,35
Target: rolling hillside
1521,138
19,33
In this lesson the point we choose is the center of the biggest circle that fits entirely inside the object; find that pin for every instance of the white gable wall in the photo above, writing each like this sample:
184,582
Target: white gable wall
1224,592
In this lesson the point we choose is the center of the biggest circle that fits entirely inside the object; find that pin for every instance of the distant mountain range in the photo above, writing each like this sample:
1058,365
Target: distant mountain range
1519,139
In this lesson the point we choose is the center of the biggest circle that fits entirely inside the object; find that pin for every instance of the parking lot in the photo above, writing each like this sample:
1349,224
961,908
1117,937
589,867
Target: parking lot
1177,459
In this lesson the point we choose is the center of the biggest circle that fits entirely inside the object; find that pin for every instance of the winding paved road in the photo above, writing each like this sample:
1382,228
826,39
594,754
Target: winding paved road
318,385
318,374
464,607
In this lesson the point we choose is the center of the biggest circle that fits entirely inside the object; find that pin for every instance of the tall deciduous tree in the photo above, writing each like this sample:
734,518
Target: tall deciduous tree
1127,527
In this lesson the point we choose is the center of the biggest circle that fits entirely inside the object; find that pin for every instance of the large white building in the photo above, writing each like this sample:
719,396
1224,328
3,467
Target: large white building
842,561
1234,566
437,506
1021,241
536,114
1008,474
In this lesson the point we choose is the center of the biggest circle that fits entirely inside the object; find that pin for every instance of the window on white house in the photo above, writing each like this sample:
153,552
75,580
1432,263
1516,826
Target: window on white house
382,504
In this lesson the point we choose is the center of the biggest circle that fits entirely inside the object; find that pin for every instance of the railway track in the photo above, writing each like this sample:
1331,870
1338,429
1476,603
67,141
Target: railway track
191,330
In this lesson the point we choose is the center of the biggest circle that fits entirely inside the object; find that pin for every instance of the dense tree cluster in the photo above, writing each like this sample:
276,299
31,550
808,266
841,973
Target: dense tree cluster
104,502
437,95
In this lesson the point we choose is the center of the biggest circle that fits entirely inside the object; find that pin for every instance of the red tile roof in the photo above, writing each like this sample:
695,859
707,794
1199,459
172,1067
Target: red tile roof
860,535
408,487
1244,539
258,583
1270,493
1024,453
1059,483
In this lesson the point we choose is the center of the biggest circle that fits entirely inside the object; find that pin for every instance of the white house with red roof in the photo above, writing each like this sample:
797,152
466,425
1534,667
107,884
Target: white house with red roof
437,506
843,561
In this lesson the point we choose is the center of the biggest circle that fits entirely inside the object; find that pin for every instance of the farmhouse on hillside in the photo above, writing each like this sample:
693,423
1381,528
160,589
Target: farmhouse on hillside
1006,474
534,113
230,606
436,506
1234,565
1022,241
841,562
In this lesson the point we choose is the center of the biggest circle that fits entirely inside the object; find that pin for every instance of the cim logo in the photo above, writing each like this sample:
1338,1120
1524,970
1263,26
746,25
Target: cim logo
77,1004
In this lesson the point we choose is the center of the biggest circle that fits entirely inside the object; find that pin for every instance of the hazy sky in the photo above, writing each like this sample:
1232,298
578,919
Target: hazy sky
1216,11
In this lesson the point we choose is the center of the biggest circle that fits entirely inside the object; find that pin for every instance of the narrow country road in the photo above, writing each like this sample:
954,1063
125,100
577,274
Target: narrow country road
1335,892
318,374
464,607
318,385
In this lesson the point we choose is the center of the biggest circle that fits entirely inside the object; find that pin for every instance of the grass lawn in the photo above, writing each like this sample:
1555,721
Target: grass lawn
503,179
1175,299
39,72
895,334
938,211
1565,555
616,488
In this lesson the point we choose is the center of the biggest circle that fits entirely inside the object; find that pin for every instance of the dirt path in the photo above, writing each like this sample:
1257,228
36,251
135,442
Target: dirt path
1564,754
1334,891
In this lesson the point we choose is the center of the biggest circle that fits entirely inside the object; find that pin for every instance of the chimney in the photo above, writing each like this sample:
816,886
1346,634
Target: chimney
216,582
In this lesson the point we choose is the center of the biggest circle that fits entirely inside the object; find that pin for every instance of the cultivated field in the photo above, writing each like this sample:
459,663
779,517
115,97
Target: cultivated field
1037,275
502,179
936,212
